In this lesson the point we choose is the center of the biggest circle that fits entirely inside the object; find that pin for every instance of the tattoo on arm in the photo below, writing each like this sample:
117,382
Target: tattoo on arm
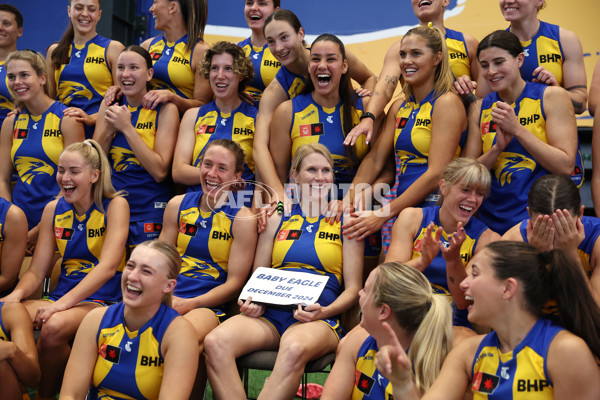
391,80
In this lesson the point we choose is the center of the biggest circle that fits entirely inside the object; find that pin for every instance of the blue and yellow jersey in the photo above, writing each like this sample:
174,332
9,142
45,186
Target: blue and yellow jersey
146,197
265,66
515,169
237,126
36,147
130,364
412,139
310,245
84,78
291,83
369,383
436,271
203,241
172,66
6,99
79,240
517,375
585,249
312,123
543,49
458,54
4,334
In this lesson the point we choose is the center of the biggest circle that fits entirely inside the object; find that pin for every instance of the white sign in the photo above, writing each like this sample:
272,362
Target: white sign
281,287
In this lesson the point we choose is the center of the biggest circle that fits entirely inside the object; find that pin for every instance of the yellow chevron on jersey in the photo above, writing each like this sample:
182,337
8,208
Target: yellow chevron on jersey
314,114
52,144
179,75
458,55
545,50
204,127
268,66
328,251
218,249
6,103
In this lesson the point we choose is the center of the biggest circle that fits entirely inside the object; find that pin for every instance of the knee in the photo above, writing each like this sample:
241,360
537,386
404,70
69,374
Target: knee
53,333
294,353
216,346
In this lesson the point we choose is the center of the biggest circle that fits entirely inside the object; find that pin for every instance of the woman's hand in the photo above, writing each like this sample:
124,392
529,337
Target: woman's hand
392,361
506,120
181,305
155,97
568,231
365,223
80,116
44,313
313,312
250,309
430,245
540,233
112,94
542,75
455,242
118,117
464,85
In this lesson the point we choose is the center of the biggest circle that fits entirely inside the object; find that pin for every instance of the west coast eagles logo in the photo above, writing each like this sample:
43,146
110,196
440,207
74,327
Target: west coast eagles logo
30,167
511,163
408,158
74,91
195,268
123,158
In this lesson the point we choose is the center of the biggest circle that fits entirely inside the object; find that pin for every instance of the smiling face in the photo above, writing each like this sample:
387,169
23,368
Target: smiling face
314,175
132,73
418,63
145,278
326,67
9,31
483,289
256,12
499,68
161,11
217,171
429,10
23,81
223,80
284,42
75,177
84,15
460,200
518,10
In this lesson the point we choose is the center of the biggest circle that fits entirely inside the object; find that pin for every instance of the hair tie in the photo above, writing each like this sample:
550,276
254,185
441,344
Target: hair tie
430,25
88,143
280,207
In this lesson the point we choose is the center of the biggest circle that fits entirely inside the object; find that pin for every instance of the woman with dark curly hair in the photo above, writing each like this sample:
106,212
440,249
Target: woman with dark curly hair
226,117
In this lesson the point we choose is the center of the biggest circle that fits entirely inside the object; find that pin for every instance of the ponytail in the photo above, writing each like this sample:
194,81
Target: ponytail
60,55
551,275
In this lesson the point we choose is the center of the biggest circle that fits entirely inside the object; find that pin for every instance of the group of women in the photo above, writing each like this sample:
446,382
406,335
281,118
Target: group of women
178,111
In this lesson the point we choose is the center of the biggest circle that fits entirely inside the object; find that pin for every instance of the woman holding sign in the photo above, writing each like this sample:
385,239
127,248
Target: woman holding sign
216,241
301,242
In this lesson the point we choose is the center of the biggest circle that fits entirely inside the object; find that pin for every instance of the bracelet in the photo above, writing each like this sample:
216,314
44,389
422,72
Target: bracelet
367,115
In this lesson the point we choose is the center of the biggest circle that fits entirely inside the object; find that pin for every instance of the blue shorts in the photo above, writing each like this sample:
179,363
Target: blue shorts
140,231
103,303
220,314
282,318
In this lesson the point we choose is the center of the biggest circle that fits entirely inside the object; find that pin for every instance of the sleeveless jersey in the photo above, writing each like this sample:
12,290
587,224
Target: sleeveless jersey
265,66
4,335
203,241
237,126
412,139
591,226
515,169
79,240
84,78
129,364
172,66
36,147
311,245
518,375
146,197
543,49
458,53
370,384
6,103
291,83
436,271
312,123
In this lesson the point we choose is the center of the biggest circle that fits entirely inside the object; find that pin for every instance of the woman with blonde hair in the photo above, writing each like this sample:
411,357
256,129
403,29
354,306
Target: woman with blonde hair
399,297
88,225
112,341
